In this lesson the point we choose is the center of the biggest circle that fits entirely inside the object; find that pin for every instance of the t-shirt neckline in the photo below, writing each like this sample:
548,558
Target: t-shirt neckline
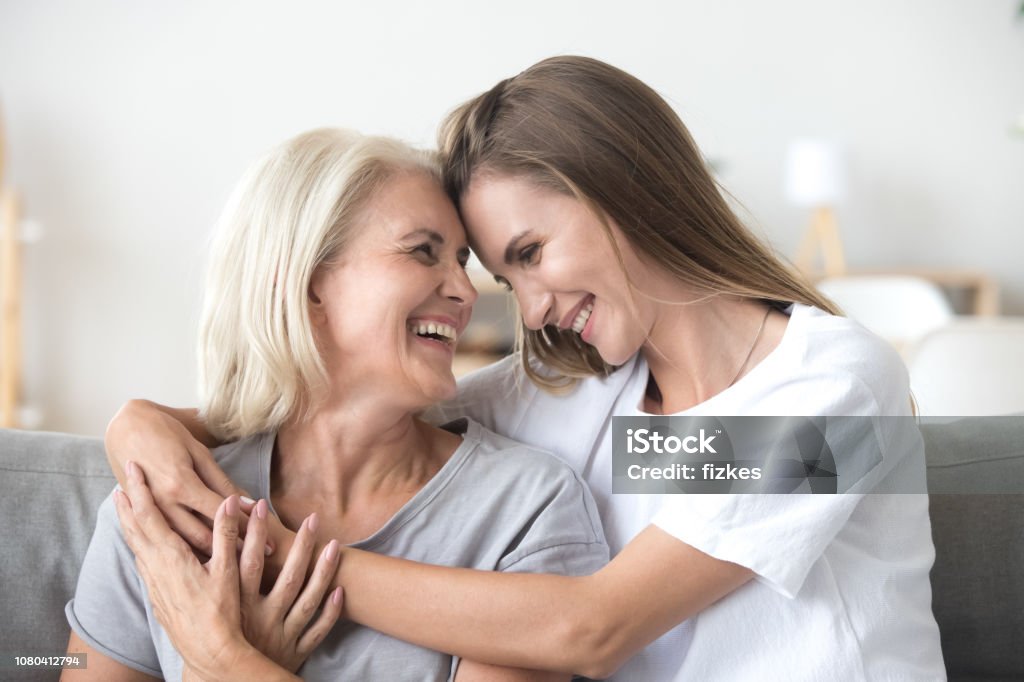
471,437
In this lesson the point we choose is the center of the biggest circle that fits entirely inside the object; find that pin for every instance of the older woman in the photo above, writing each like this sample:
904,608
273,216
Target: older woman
335,296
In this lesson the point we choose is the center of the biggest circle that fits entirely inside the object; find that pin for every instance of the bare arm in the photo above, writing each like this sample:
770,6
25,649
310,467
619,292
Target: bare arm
589,625
173,446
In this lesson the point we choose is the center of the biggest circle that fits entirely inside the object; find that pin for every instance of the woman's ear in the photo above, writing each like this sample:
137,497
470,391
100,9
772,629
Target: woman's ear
316,305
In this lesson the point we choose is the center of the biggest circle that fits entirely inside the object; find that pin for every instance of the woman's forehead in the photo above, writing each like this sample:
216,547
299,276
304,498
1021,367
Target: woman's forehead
411,204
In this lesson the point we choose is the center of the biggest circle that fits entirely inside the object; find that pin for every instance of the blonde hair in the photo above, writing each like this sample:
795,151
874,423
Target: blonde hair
293,212
587,129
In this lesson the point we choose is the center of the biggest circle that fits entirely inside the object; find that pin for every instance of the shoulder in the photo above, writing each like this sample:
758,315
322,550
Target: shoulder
529,478
541,508
503,399
503,456
842,365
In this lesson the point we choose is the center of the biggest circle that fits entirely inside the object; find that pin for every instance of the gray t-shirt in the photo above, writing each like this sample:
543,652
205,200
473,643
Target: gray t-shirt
495,505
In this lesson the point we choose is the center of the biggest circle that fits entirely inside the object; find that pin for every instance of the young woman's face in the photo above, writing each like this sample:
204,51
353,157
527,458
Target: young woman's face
554,254
390,311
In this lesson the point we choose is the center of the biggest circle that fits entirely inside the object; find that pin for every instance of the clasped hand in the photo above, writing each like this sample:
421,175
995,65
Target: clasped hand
214,612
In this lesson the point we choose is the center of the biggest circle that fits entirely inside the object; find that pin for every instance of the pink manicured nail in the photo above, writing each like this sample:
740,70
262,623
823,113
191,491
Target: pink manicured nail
246,500
261,509
231,508
336,596
332,550
313,522
131,469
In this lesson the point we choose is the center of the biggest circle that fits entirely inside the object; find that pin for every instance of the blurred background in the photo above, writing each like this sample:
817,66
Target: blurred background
884,139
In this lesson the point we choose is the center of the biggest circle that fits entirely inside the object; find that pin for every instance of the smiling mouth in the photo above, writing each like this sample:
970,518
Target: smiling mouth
435,331
581,318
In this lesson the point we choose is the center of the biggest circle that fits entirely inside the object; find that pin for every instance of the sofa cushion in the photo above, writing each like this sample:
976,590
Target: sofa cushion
977,581
52,486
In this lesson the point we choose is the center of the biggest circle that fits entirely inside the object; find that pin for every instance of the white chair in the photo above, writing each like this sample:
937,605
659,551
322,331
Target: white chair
972,367
901,309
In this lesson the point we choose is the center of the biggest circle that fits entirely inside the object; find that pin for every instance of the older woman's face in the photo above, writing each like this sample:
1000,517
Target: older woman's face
388,314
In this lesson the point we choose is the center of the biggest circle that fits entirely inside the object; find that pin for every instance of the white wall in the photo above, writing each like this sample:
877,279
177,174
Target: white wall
128,123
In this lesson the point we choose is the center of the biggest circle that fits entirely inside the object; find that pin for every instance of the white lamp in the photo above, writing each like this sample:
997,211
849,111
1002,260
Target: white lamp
815,177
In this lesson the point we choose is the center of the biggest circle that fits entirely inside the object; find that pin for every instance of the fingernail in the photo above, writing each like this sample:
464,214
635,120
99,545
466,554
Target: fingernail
267,550
261,509
332,550
231,509
246,500
336,596
130,469
313,522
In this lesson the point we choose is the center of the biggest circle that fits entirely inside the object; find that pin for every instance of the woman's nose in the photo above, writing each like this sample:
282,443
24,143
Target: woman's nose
535,307
457,287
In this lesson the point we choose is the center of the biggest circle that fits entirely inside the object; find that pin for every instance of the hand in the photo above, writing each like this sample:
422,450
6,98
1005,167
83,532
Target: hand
185,478
198,604
276,624
212,598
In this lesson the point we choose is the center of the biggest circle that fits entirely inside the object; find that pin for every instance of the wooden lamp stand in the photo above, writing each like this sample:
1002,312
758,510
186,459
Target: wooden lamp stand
10,299
822,239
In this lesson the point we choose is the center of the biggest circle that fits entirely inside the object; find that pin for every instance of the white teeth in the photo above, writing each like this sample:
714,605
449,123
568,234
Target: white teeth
581,320
443,330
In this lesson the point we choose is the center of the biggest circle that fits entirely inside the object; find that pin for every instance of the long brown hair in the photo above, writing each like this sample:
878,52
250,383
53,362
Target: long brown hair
582,127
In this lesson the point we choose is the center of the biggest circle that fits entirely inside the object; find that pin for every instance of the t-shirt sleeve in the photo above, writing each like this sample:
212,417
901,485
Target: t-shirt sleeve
564,534
108,610
780,536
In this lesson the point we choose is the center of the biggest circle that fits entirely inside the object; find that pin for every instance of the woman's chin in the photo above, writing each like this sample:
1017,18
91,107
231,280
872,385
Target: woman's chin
616,356
437,389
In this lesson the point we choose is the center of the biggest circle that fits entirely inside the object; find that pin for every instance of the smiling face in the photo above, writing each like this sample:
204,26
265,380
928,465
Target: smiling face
556,257
387,313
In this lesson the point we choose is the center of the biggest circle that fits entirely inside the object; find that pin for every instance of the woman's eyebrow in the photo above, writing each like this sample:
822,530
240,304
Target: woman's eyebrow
513,244
422,232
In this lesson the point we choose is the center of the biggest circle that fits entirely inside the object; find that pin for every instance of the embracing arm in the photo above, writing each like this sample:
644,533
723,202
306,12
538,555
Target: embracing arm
589,625
173,446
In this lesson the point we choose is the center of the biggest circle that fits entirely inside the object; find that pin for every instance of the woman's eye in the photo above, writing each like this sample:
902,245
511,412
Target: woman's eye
529,254
503,283
426,250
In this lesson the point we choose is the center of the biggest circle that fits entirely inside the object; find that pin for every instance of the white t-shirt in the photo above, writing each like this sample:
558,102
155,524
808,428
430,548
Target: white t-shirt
841,589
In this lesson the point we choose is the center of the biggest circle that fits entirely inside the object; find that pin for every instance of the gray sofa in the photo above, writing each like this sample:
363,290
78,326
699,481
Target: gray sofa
53,483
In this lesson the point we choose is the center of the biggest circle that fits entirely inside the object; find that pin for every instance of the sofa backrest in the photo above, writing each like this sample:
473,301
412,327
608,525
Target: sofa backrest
978,576
52,486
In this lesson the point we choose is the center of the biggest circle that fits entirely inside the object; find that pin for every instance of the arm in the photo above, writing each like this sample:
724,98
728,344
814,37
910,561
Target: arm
172,445
589,625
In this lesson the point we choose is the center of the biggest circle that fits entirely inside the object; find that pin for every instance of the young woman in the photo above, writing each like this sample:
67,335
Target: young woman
335,295
641,294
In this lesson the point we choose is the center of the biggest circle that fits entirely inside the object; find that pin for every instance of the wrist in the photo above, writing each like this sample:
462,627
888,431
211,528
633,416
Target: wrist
233,659
251,664
118,432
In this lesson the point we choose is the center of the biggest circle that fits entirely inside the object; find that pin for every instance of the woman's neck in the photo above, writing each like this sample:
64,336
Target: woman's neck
349,461
697,350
